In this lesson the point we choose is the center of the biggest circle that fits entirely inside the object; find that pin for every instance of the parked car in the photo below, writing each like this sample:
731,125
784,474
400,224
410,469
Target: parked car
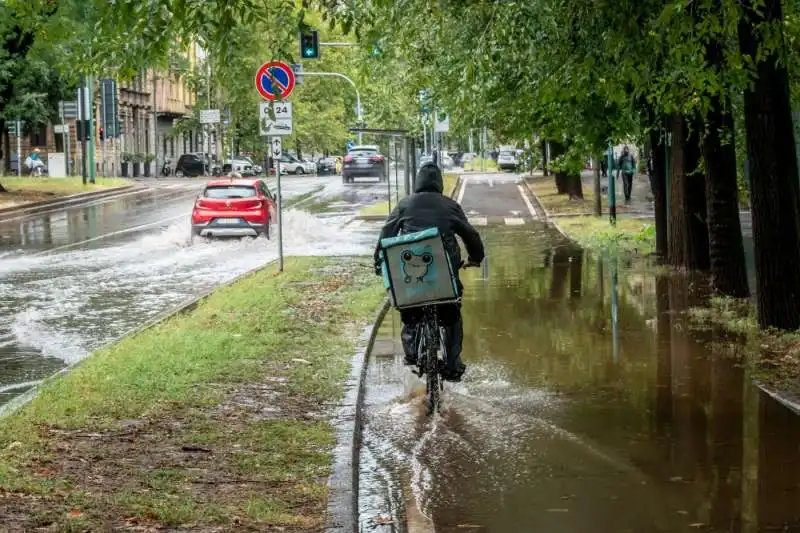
507,160
234,208
291,165
240,165
364,162
195,164
326,166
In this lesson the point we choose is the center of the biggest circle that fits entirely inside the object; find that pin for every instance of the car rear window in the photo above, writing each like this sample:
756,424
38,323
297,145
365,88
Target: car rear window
507,154
230,191
363,152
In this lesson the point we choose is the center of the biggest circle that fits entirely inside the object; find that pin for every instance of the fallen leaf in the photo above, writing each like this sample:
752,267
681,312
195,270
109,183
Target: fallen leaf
697,524
558,510
301,361
676,478
74,514
383,520
468,526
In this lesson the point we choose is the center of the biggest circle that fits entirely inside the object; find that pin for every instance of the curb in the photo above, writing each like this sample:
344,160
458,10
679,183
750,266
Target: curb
181,309
343,484
65,201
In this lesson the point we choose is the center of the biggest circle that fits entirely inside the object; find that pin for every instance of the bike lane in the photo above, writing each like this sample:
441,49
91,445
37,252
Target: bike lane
587,406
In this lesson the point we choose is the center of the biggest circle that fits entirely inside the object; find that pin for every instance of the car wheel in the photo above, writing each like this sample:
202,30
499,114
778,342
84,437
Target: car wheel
266,230
299,170
179,173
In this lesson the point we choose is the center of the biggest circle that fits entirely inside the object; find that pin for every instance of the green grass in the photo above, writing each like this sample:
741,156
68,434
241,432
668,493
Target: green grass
628,235
547,194
60,186
239,375
382,208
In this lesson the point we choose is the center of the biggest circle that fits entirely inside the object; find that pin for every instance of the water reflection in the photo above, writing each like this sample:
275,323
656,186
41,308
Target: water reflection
588,407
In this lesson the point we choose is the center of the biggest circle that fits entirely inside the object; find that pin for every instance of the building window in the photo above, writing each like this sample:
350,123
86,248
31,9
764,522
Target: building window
59,142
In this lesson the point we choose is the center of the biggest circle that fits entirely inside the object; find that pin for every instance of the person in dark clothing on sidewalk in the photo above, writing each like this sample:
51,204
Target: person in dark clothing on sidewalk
424,209
627,166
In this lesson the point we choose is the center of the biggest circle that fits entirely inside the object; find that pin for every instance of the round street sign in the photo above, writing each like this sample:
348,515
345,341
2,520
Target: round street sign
275,80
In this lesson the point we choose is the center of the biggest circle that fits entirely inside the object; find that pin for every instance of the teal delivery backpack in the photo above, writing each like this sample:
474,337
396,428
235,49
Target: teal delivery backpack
417,270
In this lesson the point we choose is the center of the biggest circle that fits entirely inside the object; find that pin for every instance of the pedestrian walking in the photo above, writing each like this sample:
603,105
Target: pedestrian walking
626,165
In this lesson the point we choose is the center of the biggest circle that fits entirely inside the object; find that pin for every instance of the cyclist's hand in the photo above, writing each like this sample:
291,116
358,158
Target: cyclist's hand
470,263
378,269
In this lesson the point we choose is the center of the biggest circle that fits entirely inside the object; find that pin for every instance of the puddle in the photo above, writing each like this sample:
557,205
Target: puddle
586,407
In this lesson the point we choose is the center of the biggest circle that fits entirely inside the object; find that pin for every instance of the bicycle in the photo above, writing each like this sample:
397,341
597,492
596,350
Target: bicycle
432,352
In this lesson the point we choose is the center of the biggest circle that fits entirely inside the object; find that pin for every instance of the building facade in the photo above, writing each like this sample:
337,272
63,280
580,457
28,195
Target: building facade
148,107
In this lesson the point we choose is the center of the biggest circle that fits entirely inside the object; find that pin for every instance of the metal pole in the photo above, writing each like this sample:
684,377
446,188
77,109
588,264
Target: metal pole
103,115
396,172
82,127
19,148
612,193
280,215
66,137
92,170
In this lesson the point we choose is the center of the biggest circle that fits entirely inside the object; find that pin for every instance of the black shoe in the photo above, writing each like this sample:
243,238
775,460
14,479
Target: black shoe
410,361
454,375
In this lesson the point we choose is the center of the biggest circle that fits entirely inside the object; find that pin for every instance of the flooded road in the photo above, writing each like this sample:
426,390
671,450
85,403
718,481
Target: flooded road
73,280
587,407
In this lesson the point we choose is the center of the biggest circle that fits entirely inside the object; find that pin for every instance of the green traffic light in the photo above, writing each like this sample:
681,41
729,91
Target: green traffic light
309,52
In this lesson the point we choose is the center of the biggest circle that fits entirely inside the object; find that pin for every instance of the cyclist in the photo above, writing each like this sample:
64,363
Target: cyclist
427,208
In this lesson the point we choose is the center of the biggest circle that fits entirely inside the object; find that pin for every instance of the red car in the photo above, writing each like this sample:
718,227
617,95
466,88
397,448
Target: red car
234,208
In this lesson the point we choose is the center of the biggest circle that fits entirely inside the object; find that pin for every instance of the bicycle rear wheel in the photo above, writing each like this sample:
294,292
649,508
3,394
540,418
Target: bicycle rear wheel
433,380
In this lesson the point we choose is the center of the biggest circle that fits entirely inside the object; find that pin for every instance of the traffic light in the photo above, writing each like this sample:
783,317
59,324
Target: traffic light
102,135
309,44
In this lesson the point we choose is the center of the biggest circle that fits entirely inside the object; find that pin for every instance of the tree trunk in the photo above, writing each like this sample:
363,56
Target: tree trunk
574,187
562,186
659,186
688,231
774,189
545,171
598,208
725,247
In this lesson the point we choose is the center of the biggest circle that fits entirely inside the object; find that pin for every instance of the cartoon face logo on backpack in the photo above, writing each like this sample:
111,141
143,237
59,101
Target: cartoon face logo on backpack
415,266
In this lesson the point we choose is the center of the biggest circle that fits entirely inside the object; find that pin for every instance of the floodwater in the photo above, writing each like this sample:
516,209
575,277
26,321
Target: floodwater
73,280
587,407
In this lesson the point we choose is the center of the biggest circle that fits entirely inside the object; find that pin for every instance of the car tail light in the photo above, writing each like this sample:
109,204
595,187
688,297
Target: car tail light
200,204
250,204
376,158
348,159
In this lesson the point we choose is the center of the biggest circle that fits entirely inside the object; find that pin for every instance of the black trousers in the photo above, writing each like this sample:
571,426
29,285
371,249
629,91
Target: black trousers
450,320
627,184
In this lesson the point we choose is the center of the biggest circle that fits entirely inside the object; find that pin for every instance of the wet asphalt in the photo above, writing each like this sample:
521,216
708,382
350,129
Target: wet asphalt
588,406
74,279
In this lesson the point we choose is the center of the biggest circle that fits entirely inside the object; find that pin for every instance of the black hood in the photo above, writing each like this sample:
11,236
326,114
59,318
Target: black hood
429,179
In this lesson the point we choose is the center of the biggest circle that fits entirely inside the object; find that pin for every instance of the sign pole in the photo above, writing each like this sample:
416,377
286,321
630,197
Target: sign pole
19,149
92,170
280,215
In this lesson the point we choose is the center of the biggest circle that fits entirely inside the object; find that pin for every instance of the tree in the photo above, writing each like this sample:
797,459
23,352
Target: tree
775,193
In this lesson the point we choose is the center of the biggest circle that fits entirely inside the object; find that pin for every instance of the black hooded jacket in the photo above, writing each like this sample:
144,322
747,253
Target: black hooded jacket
427,208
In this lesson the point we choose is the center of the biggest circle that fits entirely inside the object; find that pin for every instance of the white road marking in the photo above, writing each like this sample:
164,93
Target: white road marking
528,203
356,224
491,182
516,213
479,221
514,221
463,188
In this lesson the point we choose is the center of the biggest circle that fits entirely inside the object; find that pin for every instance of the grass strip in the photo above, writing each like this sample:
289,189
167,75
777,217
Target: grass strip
637,235
557,204
218,418
382,208
26,190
